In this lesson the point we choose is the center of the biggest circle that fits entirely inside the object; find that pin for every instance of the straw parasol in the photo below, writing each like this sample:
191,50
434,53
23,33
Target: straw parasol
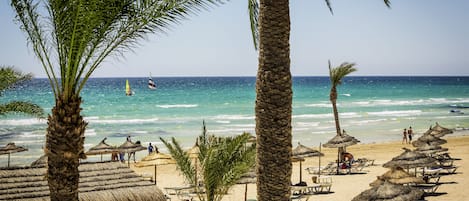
428,139
302,151
11,148
410,159
247,178
396,175
40,162
110,181
389,192
194,152
101,148
430,149
155,159
130,147
340,140
440,130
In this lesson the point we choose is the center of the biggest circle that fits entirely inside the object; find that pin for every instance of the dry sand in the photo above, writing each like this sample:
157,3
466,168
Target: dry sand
345,187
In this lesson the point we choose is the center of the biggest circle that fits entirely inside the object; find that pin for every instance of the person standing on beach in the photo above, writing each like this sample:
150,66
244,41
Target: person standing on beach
409,134
404,136
150,148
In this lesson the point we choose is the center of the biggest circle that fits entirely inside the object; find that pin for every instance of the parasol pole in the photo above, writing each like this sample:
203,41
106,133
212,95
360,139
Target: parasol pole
300,171
101,157
8,159
155,174
246,192
319,173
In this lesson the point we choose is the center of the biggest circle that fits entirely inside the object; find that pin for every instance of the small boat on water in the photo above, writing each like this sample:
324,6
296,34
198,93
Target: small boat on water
151,83
456,112
128,90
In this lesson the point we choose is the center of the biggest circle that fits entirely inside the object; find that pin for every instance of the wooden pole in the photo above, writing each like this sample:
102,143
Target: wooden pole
155,174
319,173
8,159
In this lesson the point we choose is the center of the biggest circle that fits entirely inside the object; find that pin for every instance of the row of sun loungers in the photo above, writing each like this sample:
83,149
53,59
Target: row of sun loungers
331,168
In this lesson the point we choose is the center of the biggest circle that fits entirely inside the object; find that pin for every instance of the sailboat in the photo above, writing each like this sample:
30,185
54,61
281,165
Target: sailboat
151,83
128,90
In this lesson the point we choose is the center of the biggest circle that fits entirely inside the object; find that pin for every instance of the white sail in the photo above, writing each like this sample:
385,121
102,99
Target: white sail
151,83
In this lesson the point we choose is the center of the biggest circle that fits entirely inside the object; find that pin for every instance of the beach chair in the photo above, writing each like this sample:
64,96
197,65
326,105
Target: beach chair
324,169
431,175
322,184
428,189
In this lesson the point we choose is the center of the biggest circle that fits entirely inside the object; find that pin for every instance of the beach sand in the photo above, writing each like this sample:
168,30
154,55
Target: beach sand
345,187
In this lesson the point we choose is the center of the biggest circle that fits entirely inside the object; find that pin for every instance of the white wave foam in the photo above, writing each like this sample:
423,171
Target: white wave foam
178,106
223,122
400,113
326,115
323,105
430,101
123,121
370,121
90,132
345,94
307,124
23,122
233,117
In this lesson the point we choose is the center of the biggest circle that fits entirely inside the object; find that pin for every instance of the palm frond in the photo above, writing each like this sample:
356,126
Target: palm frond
182,159
388,3
22,107
253,8
328,3
9,77
338,73
78,35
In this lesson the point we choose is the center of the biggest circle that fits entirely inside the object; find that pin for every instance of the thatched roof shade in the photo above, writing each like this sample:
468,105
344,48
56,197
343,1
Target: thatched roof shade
40,162
101,148
397,176
430,149
98,181
389,192
341,141
441,130
410,159
428,139
129,147
304,151
11,148
156,158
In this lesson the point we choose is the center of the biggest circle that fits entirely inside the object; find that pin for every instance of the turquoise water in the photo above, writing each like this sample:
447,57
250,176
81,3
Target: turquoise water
373,109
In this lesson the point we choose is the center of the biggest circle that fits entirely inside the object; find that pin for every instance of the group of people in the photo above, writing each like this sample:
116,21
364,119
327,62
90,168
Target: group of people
407,135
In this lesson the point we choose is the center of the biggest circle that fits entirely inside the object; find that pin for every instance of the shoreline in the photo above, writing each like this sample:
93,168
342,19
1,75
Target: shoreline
452,188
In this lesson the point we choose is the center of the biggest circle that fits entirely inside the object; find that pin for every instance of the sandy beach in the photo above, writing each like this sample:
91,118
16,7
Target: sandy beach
345,187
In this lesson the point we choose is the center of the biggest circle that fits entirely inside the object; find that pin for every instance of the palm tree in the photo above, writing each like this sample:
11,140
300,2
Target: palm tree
336,75
9,77
223,160
270,26
71,40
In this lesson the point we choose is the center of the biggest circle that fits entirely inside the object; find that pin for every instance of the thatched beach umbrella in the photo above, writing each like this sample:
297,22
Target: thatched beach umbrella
302,151
40,162
155,159
101,148
130,147
430,149
397,175
440,130
410,159
248,178
342,140
389,192
11,148
428,139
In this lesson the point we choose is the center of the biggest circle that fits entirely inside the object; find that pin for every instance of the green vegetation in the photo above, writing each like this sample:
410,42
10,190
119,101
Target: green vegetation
71,39
9,77
221,161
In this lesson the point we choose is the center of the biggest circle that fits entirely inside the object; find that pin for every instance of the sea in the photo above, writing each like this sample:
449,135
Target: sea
372,109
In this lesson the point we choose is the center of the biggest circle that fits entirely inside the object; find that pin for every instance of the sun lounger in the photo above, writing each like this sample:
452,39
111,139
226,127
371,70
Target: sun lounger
328,169
367,162
431,175
427,188
323,185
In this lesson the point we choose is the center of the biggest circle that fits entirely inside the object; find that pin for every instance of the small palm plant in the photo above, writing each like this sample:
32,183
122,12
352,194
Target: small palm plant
8,78
222,160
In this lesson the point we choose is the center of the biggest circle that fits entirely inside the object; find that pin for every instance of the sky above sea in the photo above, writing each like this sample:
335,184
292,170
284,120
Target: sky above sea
418,37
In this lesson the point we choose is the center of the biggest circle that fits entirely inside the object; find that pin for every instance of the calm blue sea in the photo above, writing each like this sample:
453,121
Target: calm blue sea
373,109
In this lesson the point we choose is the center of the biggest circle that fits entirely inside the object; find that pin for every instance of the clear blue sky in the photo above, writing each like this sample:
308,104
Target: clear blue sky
417,37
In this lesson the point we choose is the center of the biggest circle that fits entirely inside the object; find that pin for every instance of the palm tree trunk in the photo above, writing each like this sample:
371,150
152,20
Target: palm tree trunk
333,98
64,143
273,102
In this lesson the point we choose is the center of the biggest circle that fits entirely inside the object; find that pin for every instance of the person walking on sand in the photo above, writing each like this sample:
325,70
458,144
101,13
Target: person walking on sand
150,148
409,134
404,136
